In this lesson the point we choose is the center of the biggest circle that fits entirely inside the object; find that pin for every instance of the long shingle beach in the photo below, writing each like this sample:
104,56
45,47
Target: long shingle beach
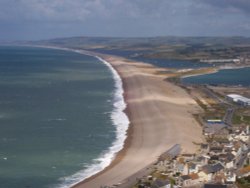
161,116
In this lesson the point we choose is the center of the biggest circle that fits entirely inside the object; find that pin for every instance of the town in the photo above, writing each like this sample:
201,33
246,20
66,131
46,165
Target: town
222,161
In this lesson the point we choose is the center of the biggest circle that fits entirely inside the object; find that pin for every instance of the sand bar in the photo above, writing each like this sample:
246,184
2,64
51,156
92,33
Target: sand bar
160,115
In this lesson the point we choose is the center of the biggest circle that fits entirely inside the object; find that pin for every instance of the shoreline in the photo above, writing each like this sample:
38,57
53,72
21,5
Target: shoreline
122,143
119,109
217,69
121,126
93,180
120,155
160,116
199,74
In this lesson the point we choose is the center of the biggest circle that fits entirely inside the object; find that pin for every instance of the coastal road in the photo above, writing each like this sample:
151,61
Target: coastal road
214,96
229,116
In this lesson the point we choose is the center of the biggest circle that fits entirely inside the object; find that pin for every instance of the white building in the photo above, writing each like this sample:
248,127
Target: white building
239,99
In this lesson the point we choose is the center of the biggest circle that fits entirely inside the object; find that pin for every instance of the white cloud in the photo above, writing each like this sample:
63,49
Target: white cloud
114,17
80,10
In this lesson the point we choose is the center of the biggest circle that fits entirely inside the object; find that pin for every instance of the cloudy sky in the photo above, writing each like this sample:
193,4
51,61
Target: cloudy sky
42,19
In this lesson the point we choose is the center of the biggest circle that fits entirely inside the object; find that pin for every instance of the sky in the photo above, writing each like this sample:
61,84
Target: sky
45,19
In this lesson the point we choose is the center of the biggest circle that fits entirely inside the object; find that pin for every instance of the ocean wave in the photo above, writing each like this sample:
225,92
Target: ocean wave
121,122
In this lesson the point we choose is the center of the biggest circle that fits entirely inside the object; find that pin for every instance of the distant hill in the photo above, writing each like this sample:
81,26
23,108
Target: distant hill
171,47
170,40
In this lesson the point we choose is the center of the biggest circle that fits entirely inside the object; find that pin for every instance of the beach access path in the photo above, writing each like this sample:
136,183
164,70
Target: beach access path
161,116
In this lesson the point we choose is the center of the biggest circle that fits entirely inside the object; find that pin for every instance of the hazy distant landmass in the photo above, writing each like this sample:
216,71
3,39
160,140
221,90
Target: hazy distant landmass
171,47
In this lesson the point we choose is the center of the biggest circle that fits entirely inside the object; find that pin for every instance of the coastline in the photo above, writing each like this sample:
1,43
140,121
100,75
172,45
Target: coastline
233,76
160,114
105,175
115,152
121,123
217,69
199,74
124,156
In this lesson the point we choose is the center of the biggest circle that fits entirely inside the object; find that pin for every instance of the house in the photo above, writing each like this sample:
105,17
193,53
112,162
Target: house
188,157
237,151
214,186
158,183
188,180
164,166
244,146
178,166
190,168
229,164
230,177
195,179
219,178
217,168
214,158
201,160
243,136
227,160
207,171
222,133
185,169
204,148
193,168
216,149
184,180
205,176
228,147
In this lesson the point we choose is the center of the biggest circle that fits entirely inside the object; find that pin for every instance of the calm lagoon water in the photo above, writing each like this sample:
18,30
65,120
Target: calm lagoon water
54,115
223,77
165,63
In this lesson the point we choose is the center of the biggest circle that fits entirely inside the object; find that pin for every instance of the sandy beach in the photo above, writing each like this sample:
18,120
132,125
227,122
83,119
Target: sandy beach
161,116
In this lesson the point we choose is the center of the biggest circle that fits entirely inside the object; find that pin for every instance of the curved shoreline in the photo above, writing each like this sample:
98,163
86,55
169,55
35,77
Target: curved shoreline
217,69
118,147
229,76
160,114
150,134
121,123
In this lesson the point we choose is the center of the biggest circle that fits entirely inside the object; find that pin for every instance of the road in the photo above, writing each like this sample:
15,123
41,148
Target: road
229,116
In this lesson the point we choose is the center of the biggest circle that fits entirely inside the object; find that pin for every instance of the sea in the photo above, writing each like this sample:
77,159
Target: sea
61,117
229,77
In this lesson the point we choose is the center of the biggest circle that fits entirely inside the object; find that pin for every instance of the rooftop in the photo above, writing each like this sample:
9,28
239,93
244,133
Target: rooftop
212,168
214,186
237,97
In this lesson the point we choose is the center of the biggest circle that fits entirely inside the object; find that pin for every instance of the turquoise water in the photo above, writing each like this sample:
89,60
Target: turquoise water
54,115
223,77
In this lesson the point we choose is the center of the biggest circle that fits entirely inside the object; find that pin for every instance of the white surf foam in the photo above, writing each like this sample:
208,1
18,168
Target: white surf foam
121,122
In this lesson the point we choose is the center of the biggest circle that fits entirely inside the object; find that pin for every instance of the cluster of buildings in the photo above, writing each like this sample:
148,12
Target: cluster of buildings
218,163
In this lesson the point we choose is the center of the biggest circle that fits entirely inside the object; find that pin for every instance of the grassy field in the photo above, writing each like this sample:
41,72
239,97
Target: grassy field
244,182
239,119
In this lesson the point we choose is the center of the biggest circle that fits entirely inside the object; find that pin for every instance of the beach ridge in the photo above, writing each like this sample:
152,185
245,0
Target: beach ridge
160,114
